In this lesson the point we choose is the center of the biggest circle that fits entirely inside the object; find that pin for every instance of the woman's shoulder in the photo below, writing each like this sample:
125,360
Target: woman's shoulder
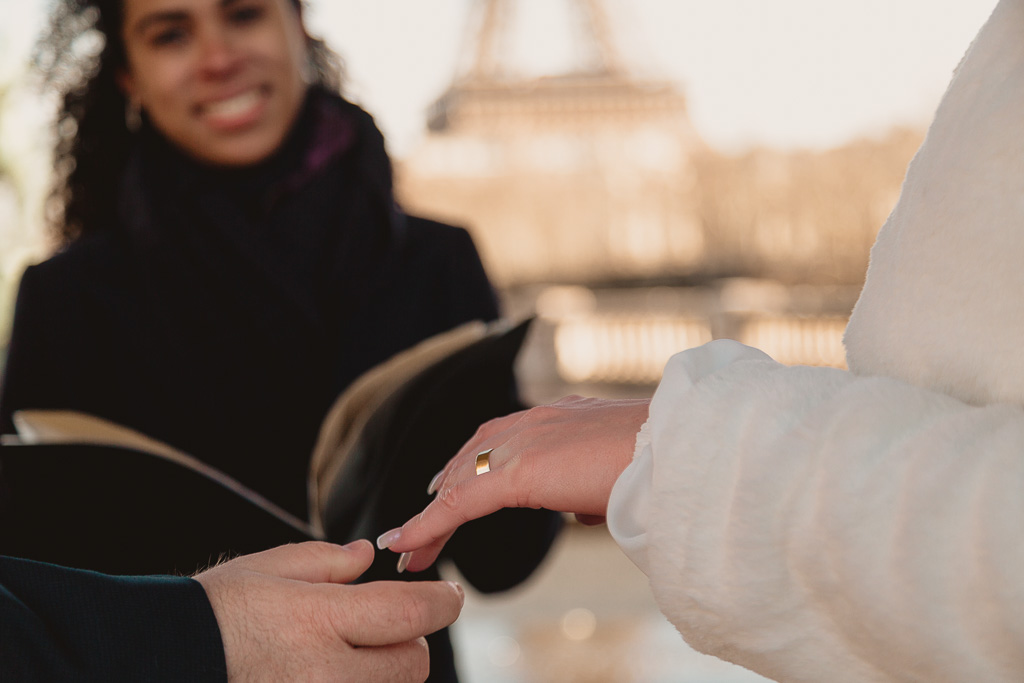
87,261
434,244
434,235
85,253
444,261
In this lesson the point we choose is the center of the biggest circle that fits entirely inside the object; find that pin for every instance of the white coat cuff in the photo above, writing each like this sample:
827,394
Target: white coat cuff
629,504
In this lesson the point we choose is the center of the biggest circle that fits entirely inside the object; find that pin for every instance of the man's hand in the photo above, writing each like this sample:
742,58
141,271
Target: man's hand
286,614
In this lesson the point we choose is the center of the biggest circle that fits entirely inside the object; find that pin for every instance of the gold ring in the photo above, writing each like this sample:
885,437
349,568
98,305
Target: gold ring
483,461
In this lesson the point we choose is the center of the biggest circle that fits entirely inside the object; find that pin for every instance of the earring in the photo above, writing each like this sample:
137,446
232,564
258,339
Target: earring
307,72
133,115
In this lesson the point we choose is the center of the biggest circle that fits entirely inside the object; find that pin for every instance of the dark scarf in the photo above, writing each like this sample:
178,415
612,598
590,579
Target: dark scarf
254,272
277,250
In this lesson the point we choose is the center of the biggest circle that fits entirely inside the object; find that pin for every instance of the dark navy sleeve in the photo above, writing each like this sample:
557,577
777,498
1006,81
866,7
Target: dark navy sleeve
59,624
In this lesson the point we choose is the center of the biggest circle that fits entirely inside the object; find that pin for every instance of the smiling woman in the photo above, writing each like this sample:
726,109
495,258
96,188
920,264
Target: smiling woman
232,256
224,81
197,52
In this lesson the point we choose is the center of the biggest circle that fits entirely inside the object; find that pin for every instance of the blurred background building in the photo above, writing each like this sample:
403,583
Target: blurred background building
596,203
606,201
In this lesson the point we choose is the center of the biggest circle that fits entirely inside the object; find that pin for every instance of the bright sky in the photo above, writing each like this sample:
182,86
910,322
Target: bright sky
785,72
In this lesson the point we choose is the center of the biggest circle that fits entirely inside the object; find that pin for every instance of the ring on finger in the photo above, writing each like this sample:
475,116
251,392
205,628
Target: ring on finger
483,461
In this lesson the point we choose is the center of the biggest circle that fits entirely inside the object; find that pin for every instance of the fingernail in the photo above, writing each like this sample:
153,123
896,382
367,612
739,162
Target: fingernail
403,561
432,487
457,587
354,544
388,538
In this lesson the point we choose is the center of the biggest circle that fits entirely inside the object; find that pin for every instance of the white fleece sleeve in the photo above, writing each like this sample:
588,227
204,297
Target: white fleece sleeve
813,525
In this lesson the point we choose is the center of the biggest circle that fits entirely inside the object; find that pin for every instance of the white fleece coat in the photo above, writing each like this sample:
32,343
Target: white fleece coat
819,525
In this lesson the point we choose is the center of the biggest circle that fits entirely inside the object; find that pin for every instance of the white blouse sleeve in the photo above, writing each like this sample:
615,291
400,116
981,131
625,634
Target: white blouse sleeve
813,525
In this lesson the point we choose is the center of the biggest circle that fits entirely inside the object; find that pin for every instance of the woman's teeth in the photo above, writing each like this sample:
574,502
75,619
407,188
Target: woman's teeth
234,106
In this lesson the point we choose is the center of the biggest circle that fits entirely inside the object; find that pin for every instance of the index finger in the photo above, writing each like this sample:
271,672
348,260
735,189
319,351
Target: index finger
389,612
454,506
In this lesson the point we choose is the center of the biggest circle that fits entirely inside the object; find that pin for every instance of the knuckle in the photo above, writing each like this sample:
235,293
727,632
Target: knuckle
313,551
343,613
487,430
499,424
416,612
455,504
521,472
548,413
450,500
482,431
327,619
513,467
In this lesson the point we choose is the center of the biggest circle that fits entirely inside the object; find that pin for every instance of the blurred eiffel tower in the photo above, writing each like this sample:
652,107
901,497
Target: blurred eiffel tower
589,174
491,50
489,64
576,174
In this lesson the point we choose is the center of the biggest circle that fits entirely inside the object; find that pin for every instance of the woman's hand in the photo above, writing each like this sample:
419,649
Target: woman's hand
565,456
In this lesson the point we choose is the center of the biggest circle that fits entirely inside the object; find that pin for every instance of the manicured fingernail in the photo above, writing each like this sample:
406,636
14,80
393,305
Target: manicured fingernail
403,561
388,538
457,587
432,486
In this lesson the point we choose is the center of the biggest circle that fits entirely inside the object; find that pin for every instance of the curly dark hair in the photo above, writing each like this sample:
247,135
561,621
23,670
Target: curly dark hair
79,57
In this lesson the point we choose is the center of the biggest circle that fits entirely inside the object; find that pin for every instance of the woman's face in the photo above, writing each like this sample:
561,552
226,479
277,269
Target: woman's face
222,79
